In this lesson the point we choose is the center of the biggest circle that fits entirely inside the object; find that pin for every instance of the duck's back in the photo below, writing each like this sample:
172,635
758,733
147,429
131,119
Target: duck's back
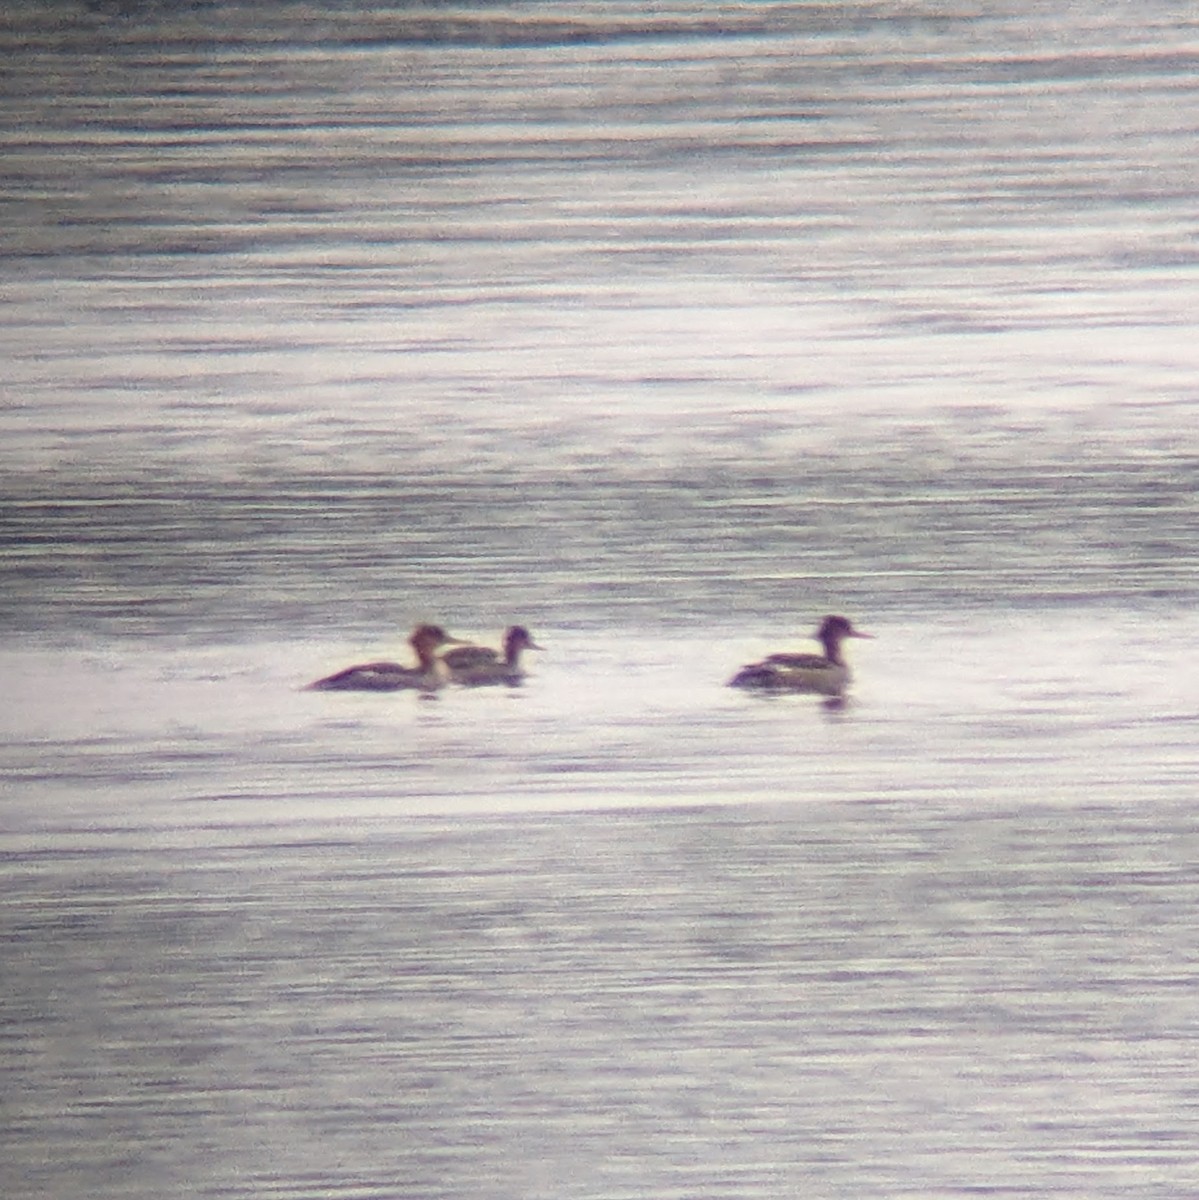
793,673
466,658
787,661
370,677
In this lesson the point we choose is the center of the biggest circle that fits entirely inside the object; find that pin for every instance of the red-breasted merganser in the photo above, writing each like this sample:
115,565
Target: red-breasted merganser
825,674
389,676
476,665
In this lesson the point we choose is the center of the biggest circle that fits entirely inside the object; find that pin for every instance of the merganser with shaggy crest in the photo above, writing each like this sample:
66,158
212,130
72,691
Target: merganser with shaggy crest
475,665
824,674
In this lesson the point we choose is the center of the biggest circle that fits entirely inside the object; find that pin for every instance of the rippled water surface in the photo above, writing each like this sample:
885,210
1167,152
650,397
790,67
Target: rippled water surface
663,330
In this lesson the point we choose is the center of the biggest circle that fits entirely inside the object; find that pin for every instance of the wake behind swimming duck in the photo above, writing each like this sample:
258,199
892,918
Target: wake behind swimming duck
426,640
824,675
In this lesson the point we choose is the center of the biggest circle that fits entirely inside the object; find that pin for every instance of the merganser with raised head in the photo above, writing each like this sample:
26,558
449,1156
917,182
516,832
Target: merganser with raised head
825,674
475,665
392,677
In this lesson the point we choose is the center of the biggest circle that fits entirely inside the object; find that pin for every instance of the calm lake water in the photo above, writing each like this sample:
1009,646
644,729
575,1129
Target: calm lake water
664,330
